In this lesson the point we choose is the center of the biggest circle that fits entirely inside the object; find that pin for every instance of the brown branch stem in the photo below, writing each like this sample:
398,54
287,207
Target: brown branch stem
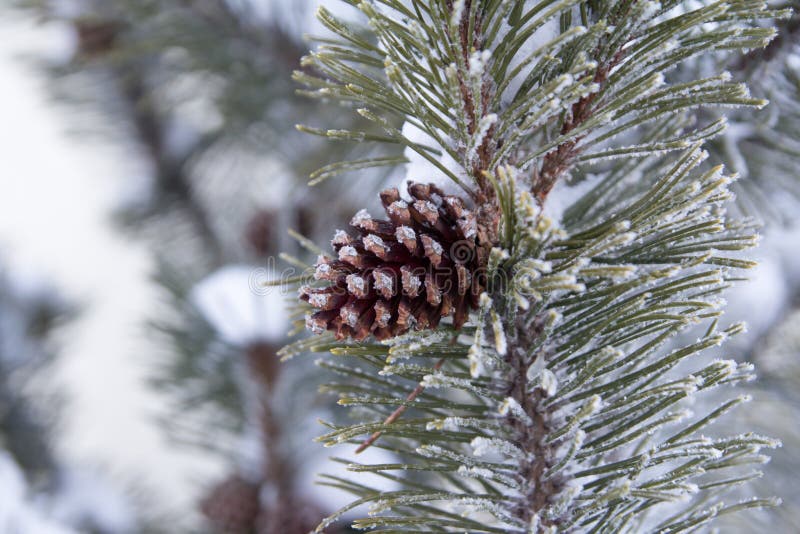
530,435
559,160
264,370
395,415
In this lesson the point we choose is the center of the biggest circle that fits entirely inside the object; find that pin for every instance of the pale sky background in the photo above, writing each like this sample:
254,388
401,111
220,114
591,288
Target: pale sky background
58,190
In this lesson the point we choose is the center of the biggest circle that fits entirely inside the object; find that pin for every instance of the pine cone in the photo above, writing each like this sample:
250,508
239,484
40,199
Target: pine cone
290,516
421,265
233,505
96,37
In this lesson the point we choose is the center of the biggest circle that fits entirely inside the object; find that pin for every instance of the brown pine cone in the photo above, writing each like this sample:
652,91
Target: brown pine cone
421,265
95,36
290,516
233,505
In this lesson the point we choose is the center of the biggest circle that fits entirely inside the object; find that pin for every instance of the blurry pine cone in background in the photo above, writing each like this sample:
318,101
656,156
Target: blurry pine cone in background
290,516
96,37
233,505
421,265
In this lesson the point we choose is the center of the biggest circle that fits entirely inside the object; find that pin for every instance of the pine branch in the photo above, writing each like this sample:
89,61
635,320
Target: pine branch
172,175
30,318
557,162
788,35
560,406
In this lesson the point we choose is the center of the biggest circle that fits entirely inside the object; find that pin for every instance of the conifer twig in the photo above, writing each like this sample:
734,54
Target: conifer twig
560,418
557,161
395,415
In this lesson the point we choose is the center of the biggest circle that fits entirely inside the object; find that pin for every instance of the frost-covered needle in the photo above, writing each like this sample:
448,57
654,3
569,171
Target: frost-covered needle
395,415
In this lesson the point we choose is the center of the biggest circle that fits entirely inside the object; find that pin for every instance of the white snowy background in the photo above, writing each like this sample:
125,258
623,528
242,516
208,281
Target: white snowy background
58,192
